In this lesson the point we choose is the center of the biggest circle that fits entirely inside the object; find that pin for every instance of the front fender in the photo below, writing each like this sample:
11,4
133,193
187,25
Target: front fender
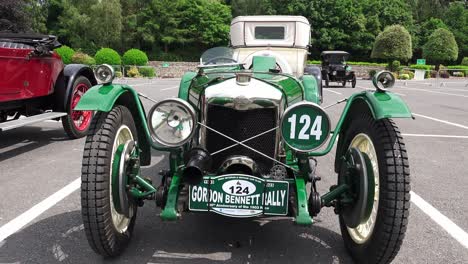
379,104
64,85
383,104
104,97
101,97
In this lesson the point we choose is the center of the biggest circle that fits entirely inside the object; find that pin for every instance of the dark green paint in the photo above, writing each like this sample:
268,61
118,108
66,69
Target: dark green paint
308,142
101,97
185,85
311,93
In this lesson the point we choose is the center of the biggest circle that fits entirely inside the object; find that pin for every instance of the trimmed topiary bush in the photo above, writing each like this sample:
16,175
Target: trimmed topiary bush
83,58
394,66
135,57
464,61
108,56
148,71
66,53
372,73
394,43
440,47
410,75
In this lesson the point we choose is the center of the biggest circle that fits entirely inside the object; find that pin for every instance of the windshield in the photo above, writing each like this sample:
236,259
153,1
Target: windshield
218,56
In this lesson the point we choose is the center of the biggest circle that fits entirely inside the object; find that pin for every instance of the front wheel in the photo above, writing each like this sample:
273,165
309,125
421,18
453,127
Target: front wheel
378,237
76,123
108,232
353,82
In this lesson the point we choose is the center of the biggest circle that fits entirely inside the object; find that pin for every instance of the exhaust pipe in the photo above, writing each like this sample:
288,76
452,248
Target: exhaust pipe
199,161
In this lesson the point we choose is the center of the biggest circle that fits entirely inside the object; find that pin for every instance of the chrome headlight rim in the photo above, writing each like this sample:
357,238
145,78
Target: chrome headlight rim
111,73
379,86
188,107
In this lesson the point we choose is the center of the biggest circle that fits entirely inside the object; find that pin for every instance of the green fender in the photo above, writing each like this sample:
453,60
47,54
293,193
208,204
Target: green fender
380,104
101,97
311,92
185,85
104,97
384,104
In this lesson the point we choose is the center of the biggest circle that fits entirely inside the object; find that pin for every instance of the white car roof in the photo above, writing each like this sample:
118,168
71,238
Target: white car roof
270,19
296,31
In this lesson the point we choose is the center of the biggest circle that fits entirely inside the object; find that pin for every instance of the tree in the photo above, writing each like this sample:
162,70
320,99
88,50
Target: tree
13,16
428,27
440,47
456,19
394,43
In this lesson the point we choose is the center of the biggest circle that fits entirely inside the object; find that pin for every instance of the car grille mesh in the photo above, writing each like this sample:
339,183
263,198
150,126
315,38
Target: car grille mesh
241,125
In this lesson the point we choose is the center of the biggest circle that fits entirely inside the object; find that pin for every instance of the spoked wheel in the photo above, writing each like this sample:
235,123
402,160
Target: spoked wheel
76,123
108,231
377,236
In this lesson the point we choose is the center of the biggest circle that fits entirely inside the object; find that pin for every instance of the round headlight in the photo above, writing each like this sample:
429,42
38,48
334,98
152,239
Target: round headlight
104,74
383,80
172,122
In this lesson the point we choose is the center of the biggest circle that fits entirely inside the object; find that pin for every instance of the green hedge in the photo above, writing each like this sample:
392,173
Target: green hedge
135,57
355,63
66,53
421,67
108,56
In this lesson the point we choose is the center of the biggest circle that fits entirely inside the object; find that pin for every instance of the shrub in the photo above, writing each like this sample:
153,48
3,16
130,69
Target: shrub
108,56
410,74
404,76
133,72
118,74
82,58
394,66
394,43
135,57
66,53
148,71
464,61
440,47
372,73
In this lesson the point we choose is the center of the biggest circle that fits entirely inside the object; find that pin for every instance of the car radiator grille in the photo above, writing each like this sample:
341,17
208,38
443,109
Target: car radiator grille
241,125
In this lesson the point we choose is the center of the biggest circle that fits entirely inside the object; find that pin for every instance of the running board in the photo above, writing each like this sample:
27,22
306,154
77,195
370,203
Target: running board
30,120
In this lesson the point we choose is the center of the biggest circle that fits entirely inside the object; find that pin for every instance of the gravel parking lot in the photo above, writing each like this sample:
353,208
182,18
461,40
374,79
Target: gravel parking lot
40,171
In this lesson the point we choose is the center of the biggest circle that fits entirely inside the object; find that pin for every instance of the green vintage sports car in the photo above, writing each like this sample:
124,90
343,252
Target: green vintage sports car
242,143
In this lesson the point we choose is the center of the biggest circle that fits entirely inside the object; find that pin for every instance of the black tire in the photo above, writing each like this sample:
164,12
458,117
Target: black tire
67,122
326,83
101,232
391,221
353,82
343,83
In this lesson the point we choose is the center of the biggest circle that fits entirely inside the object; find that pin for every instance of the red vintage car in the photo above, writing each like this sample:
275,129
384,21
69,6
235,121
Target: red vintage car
35,85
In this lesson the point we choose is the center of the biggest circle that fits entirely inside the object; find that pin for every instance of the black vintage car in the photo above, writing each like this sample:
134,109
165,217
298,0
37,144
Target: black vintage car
335,68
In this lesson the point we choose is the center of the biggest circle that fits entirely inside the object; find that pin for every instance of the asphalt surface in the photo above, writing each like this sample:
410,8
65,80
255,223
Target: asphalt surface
38,160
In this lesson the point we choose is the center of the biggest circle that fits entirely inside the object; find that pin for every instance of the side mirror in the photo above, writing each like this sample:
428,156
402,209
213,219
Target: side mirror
383,80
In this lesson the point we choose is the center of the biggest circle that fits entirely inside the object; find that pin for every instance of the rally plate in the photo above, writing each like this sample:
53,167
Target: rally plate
240,195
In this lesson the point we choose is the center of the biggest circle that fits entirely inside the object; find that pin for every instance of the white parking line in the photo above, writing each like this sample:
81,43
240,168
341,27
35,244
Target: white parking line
424,90
335,92
217,256
455,231
170,88
441,121
436,136
19,222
